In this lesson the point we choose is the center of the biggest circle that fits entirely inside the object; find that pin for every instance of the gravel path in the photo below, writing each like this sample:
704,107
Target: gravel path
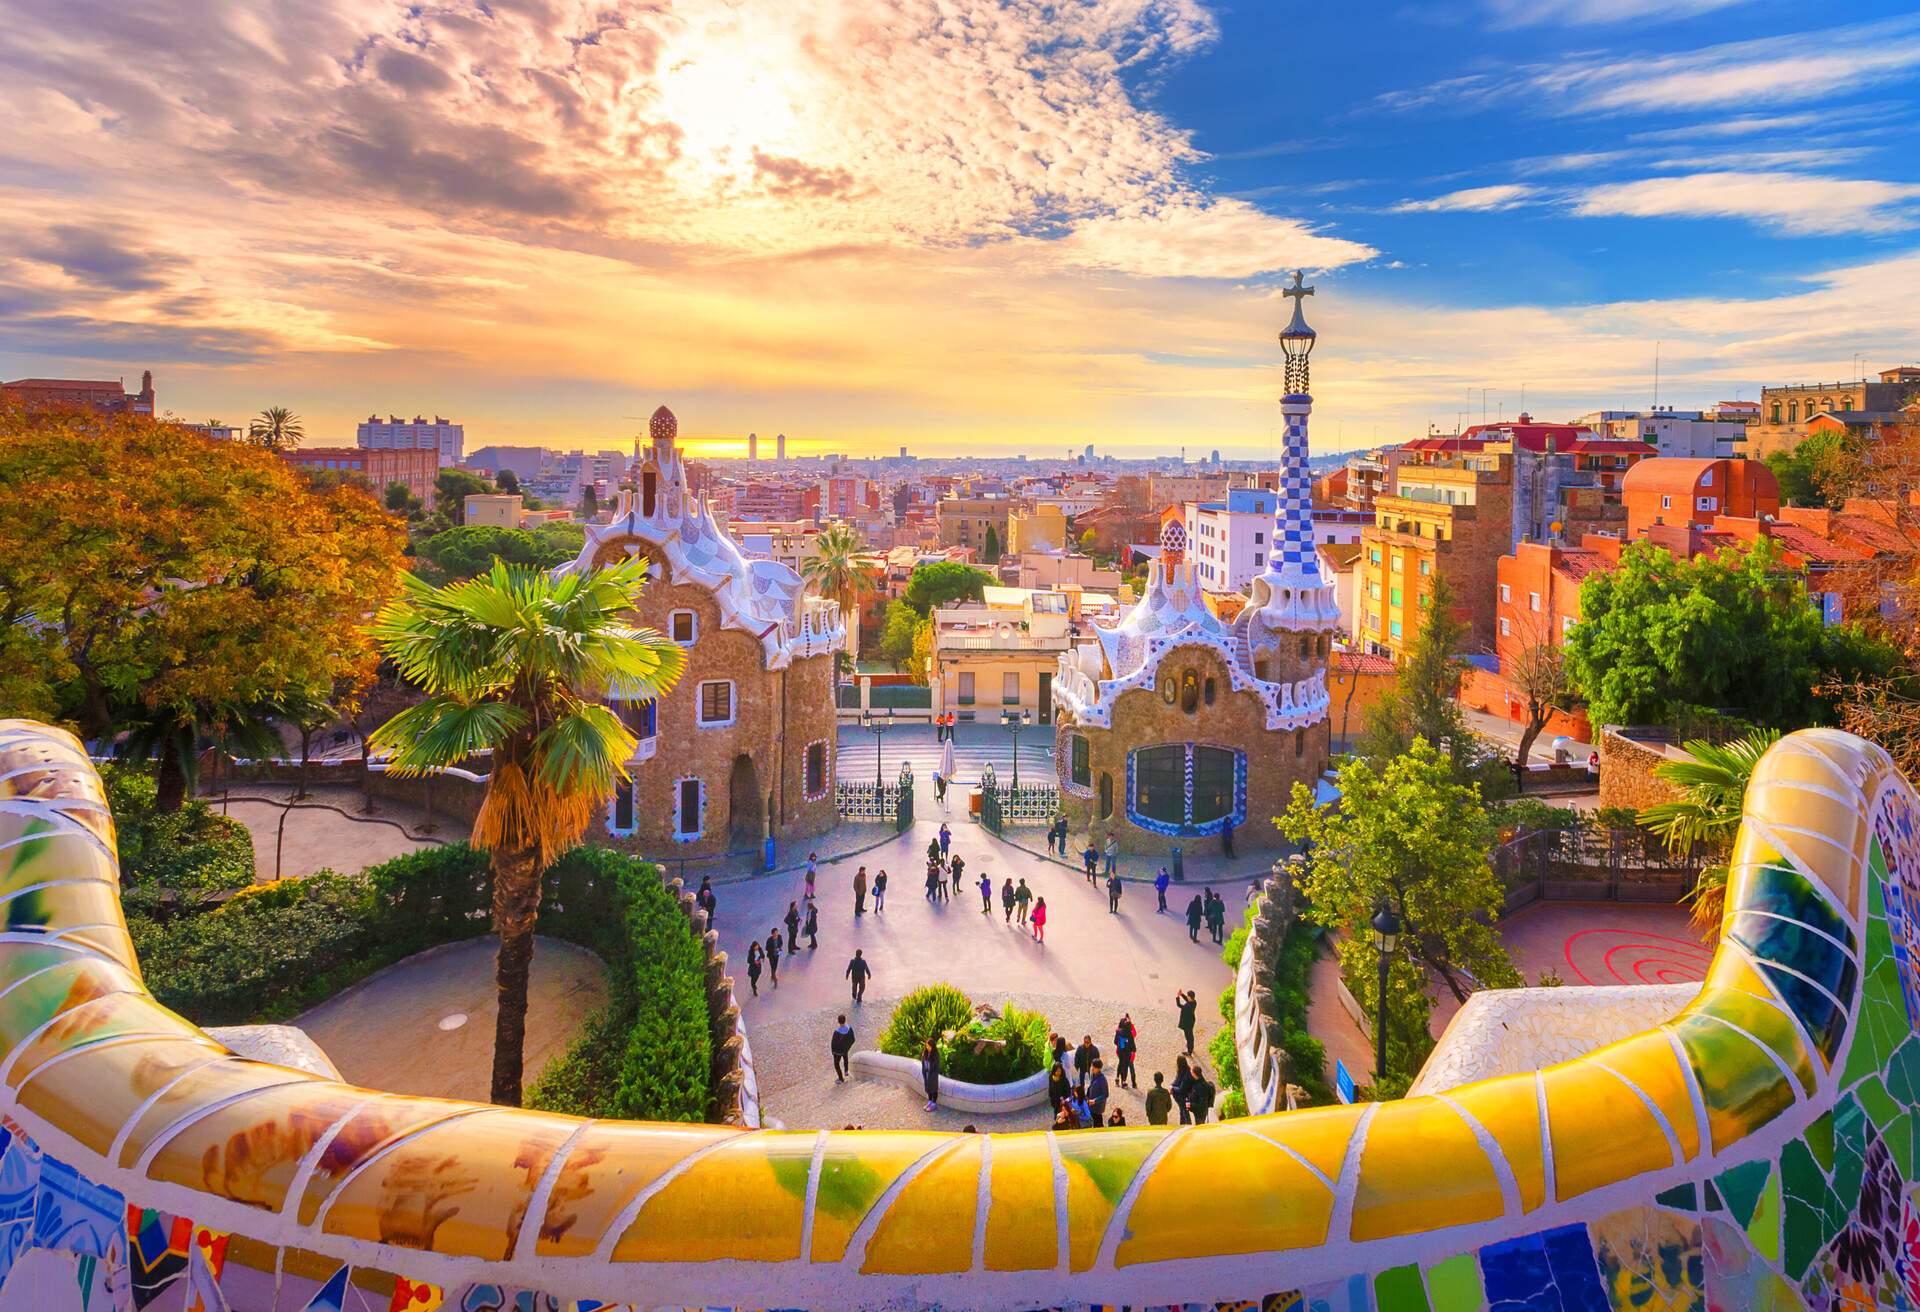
796,1073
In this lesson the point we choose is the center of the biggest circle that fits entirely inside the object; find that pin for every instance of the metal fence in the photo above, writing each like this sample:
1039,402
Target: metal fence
878,803
1588,865
1029,804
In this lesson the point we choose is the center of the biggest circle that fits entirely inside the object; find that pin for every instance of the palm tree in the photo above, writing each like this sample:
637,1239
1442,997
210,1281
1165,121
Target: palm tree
513,661
1713,788
276,429
834,569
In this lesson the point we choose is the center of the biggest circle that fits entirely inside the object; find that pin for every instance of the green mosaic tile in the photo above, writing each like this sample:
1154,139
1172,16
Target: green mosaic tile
1400,1287
1849,1146
1740,1186
1804,1199
1903,1072
1876,899
1876,1102
1681,1197
1881,1027
1764,1229
1805,1236
1454,1285
1820,1140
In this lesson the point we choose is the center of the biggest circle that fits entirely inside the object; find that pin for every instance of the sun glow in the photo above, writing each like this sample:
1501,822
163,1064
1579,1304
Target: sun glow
732,99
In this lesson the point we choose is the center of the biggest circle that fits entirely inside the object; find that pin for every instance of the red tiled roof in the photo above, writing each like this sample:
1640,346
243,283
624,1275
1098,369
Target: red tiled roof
1361,662
1576,564
1805,542
82,384
1873,533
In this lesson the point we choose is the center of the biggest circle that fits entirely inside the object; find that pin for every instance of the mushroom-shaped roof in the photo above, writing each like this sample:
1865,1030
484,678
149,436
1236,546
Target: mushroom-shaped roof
663,426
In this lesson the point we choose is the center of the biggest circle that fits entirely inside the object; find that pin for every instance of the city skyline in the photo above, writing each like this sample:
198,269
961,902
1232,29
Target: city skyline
1038,227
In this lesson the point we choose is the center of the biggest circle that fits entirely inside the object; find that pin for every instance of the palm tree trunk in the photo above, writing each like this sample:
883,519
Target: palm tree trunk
170,788
516,906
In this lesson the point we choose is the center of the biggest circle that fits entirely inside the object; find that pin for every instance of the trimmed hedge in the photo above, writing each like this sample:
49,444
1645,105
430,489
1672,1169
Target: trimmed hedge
192,850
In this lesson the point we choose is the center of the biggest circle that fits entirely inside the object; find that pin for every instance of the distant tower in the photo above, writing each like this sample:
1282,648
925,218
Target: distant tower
1291,595
753,446
780,446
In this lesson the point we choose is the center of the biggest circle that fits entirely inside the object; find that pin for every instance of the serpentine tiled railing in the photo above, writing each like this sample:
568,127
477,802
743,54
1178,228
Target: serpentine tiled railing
1755,1147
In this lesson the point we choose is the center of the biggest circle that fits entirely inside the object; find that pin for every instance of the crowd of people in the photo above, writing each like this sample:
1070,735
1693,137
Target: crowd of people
1079,1099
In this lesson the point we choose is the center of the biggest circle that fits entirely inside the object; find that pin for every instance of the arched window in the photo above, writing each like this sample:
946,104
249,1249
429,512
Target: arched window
1189,691
1207,690
1186,788
1299,742
1106,795
620,810
1169,689
1306,645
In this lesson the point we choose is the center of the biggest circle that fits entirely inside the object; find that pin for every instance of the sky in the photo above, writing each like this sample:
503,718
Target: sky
954,225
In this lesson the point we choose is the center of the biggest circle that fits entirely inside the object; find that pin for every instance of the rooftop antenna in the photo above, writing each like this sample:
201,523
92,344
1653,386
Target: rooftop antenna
1523,398
1656,375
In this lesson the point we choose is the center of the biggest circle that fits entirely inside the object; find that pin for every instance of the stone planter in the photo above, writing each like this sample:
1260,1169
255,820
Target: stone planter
956,1094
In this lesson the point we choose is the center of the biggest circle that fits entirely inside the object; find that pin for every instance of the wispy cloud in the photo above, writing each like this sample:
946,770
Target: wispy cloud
1805,66
1478,200
1796,203
1531,13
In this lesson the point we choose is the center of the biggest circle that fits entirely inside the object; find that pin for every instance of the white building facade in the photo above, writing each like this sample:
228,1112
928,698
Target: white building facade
1229,542
417,434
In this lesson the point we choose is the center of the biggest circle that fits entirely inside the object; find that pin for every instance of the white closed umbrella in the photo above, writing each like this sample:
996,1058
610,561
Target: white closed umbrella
946,761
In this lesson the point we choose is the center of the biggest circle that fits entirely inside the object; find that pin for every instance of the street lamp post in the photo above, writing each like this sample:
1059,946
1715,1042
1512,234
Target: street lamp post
1015,721
877,727
1386,937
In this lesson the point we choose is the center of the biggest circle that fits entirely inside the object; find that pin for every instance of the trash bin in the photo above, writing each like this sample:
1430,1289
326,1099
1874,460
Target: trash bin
973,804
767,855
1179,867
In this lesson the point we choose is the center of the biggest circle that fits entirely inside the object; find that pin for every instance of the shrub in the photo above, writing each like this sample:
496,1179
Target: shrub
194,850
1025,1051
1306,1055
1233,1105
926,1013
1225,1058
1530,814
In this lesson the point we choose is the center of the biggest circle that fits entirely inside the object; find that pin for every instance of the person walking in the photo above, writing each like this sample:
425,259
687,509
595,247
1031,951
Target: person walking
1062,1051
1113,895
1113,853
933,852
1216,916
841,1045
1061,825
859,972
1159,1101
860,891
773,956
1022,896
793,927
1090,859
813,871
946,840
812,928
1182,1088
1226,837
1084,1058
880,892
930,1073
756,956
1058,1087
1097,1093
986,895
1200,1096
706,900
1189,1007
1195,910
1040,921
958,867
940,789
1126,1048
1006,898
1160,882
935,880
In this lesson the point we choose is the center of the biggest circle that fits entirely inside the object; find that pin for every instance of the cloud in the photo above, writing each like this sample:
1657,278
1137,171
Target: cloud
1202,239
99,259
1479,200
1796,203
1531,13
1804,66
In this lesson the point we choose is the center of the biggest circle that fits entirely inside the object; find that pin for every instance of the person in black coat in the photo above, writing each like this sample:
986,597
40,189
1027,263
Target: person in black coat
1058,1087
773,955
755,955
1196,910
1189,1007
930,1074
1200,1096
1084,1057
793,926
858,971
841,1045
1182,1088
812,927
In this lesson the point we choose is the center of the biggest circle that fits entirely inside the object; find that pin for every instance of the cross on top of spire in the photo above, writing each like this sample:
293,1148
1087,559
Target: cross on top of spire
1297,290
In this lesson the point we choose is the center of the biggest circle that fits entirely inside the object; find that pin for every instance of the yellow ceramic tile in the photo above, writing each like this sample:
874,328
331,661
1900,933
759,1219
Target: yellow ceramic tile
1731,972
1099,1167
53,994
1422,1168
229,1077
385,1118
1740,1085
1601,1133
1650,1063
610,1163
1509,1108
745,1200
1813,769
461,1188
1322,1135
1217,1191
1022,1232
91,1094
855,1170
929,1228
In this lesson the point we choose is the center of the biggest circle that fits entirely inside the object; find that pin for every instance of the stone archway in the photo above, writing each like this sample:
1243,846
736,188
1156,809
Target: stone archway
746,805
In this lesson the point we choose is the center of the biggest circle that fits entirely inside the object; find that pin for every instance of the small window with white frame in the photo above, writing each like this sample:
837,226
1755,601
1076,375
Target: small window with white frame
1706,503
683,626
714,703
1506,627
621,814
1666,502
1533,602
1506,592
689,809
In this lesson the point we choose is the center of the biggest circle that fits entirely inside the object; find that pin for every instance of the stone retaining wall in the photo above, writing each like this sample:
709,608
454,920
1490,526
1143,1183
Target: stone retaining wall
1256,1020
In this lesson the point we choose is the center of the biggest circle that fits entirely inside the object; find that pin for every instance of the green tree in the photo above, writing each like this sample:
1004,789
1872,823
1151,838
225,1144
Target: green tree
1412,837
1803,472
276,429
990,548
922,651
452,487
1713,791
1423,703
896,636
944,582
402,502
1659,636
835,568
508,481
511,663
461,553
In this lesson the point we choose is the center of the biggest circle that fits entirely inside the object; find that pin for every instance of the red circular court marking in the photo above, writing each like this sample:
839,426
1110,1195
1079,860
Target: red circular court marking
1668,966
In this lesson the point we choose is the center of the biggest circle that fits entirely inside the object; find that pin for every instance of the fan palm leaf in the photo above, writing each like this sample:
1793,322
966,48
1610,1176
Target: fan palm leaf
1706,815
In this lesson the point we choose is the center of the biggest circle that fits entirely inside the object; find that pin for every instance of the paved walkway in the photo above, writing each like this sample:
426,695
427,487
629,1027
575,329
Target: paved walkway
330,831
1134,961
425,1025
974,745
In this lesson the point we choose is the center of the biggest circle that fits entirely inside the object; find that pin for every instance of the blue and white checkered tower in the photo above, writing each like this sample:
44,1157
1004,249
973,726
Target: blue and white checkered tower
1292,596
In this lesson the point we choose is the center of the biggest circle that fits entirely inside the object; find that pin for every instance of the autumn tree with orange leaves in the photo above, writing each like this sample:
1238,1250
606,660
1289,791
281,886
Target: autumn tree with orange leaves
175,589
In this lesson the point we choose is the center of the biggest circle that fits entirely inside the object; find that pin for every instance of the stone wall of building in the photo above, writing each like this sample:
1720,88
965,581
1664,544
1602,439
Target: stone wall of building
1626,771
1143,717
